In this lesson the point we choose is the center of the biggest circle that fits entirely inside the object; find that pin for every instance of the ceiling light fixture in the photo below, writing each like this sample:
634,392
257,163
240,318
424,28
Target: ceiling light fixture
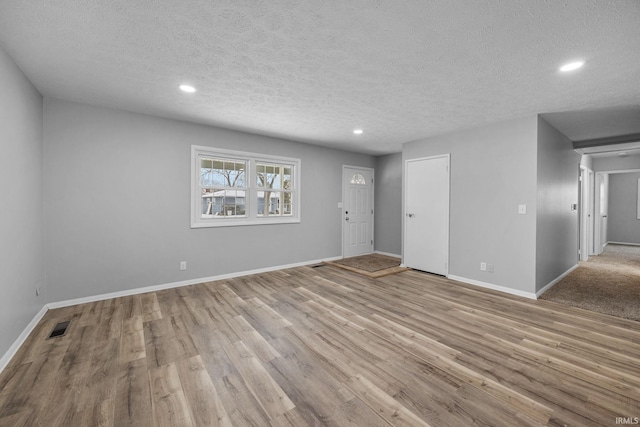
358,131
571,66
187,88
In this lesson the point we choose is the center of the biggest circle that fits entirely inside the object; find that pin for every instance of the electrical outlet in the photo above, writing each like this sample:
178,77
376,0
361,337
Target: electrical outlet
483,266
183,265
489,268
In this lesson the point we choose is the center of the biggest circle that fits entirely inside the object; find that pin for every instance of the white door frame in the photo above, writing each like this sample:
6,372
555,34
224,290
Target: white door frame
344,196
597,237
591,222
404,205
585,244
598,244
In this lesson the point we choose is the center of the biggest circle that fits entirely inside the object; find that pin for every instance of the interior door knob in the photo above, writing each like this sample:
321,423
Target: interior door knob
347,219
410,215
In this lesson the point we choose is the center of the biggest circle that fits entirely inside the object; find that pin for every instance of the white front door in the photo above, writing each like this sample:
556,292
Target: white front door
357,211
426,221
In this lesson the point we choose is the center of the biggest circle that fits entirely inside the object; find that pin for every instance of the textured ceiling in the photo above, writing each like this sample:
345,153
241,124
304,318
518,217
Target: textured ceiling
313,70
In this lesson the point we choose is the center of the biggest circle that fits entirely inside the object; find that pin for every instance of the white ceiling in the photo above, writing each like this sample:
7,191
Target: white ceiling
314,70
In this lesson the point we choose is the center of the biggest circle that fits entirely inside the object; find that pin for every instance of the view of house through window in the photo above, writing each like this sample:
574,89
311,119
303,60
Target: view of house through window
235,188
274,189
223,187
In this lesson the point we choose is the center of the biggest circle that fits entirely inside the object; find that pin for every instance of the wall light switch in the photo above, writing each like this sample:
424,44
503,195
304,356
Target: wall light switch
339,204
522,209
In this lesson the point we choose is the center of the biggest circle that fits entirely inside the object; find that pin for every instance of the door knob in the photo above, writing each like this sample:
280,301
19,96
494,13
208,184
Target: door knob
347,219
410,215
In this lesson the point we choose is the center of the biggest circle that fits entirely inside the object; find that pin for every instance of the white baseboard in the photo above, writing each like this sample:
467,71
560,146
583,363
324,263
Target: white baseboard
555,281
6,358
154,288
504,289
387,254
623,243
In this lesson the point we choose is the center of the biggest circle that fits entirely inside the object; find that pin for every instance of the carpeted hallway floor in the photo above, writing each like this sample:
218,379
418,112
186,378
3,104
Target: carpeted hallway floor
608,283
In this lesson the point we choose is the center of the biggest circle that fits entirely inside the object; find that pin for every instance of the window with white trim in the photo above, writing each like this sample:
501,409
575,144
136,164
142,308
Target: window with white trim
237,188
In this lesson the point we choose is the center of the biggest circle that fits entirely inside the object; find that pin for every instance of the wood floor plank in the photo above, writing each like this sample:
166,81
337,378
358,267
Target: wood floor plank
252,339
203,400
132,406
272,399
168,401
132,347
384,405
241,405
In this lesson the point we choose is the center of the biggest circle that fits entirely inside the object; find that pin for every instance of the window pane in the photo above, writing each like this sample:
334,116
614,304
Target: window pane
206,172
223,203
272,176
358,179
286,178
218,174
240,174
287,203
274,203
222,173
207,208
268,203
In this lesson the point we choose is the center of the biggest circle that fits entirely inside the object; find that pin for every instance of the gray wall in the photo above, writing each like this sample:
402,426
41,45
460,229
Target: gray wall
117,200
493,170
616,163
557,224
21,217
624,225
388,204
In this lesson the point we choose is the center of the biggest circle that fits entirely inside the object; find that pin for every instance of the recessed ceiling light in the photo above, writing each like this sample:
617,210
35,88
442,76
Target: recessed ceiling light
571,66
358,131
187,88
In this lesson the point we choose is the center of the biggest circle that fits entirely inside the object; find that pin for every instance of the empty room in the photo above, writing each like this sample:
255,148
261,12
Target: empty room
291,213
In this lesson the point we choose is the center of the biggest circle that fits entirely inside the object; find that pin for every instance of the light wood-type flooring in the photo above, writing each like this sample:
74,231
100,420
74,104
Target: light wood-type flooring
324,346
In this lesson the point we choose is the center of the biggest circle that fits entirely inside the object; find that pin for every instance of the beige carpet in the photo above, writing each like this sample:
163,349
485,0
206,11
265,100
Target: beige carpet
372,265
608,283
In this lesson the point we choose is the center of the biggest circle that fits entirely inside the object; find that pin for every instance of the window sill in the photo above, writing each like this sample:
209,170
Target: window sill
243,222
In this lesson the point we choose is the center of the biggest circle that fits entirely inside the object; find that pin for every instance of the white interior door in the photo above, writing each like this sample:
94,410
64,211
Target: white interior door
357,211
426,230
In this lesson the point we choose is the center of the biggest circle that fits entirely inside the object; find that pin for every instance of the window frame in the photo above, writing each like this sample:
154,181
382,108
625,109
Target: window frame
251,191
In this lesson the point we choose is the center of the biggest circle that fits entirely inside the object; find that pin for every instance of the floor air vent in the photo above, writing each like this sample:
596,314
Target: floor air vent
59,330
